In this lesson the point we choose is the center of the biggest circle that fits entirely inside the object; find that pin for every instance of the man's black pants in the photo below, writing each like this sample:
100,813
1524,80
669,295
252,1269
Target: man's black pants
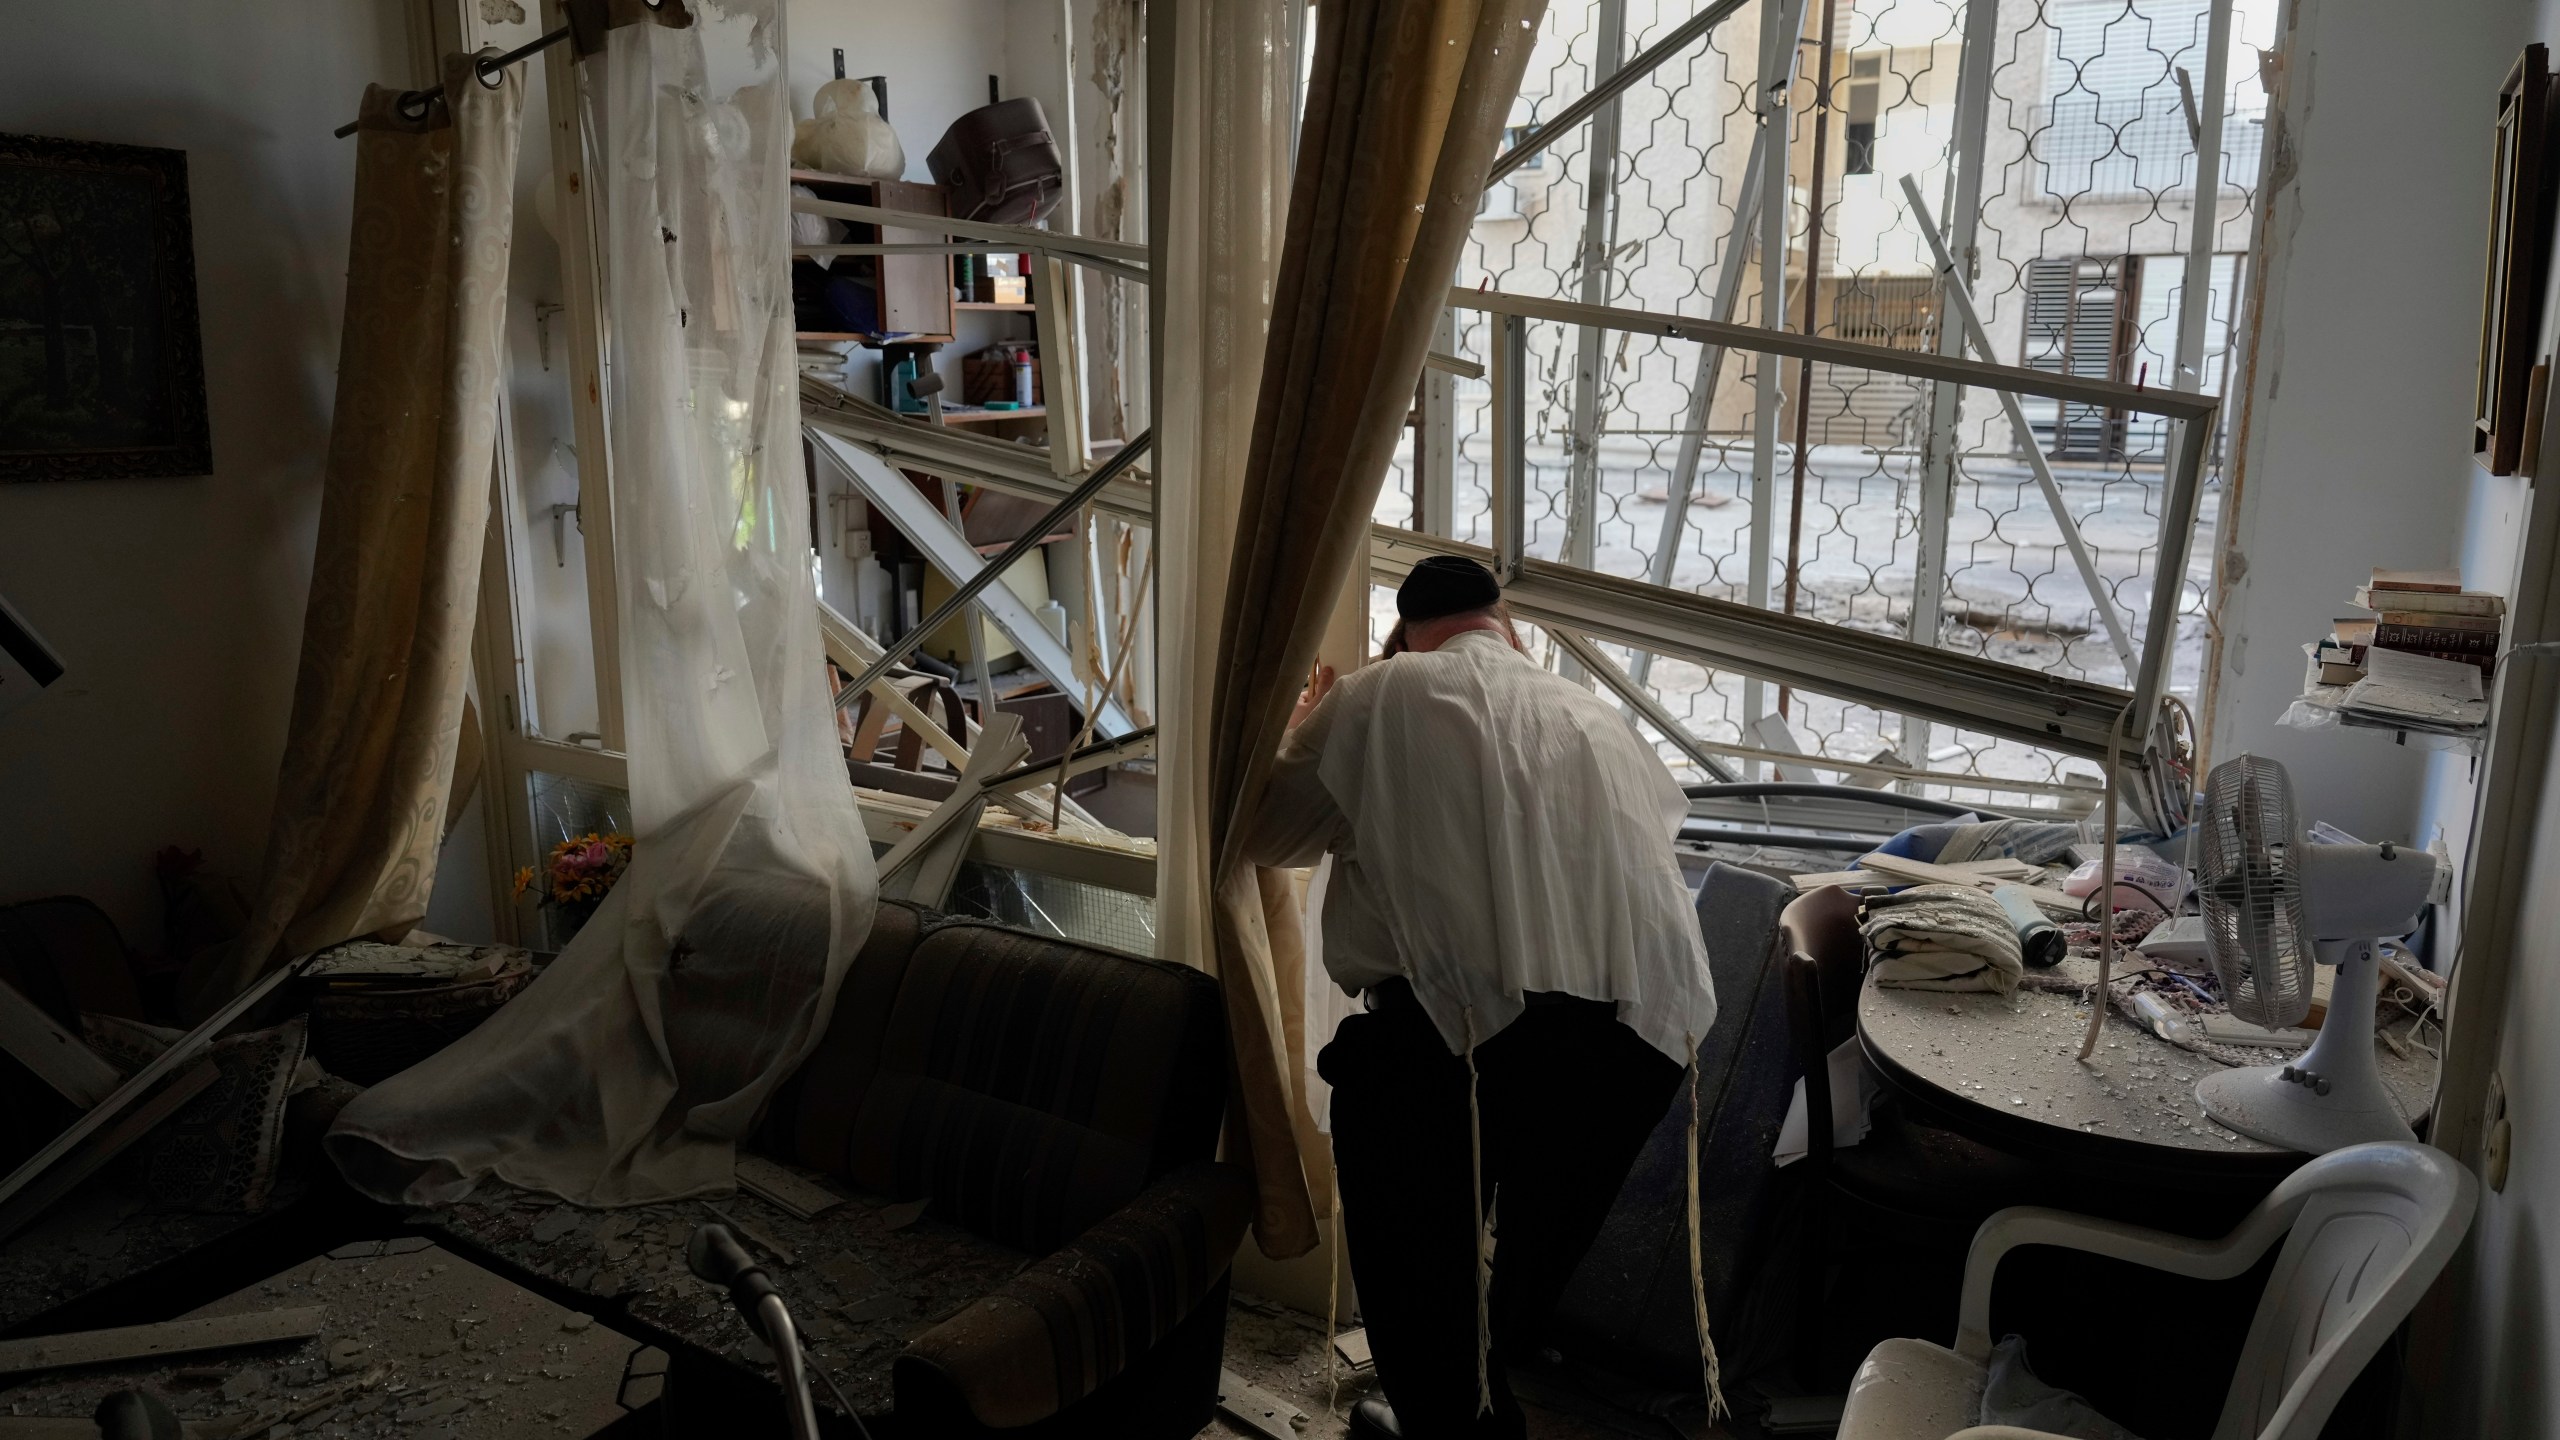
1568,1096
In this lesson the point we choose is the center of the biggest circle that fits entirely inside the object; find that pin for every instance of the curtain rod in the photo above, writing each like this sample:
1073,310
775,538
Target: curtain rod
483,68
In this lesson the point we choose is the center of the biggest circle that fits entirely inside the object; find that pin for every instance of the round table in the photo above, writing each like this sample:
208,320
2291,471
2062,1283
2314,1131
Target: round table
2005,1070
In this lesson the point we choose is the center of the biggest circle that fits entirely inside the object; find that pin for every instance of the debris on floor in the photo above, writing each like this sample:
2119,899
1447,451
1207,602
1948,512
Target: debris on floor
1276,1356
414,1344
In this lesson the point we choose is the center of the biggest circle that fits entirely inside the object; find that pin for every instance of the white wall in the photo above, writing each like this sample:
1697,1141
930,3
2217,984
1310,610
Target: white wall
177,604
2504,1381
2358,451
937,58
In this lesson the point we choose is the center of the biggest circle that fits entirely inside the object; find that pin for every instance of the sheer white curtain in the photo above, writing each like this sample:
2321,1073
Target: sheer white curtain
1235,75
628,1071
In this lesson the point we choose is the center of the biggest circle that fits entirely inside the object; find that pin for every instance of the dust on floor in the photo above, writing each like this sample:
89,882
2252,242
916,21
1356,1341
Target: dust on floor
1282,1352
452,1353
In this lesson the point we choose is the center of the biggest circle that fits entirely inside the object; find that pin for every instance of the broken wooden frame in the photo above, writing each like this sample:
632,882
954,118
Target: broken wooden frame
852,651
1895,675
968,590
96,1137
162,1340
932,531
922,866
2033,697
53,1054
1136,745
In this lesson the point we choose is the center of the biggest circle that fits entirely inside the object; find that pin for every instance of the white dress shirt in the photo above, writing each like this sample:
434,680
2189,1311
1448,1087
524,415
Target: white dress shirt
1496,831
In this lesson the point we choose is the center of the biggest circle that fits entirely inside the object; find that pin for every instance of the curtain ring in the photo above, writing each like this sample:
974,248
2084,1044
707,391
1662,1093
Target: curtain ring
655,4
492,75
412,104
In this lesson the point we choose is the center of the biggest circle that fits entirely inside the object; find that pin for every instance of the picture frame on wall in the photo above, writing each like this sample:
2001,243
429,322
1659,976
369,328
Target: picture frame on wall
101,357
2521,191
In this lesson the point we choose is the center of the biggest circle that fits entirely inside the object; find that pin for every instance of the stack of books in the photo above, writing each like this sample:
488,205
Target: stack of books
2416,612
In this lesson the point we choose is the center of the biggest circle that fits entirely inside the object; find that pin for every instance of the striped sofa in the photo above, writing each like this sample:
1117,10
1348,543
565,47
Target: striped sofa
1059,1102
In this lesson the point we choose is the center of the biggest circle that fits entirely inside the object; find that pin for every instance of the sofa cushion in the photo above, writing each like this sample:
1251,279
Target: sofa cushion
1031,1087
811,1115
1064,1327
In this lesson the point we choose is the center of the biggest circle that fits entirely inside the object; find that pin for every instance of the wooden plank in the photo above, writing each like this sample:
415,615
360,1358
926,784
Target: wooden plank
185,1049
915,290
40,1195
35,1427
930,855
169,1337
1258,1410
805,1199
57,1056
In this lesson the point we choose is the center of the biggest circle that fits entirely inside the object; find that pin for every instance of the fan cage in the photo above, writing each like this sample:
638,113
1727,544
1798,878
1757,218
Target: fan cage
2256,932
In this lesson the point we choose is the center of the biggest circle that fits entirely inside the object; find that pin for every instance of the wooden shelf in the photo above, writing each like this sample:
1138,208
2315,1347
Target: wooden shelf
980,417
821,177
1025,309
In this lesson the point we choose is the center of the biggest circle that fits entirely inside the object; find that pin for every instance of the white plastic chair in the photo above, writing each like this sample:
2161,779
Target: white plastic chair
2366,1230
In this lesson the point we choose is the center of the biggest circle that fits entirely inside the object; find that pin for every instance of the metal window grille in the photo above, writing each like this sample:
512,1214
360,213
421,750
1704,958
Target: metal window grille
2065,76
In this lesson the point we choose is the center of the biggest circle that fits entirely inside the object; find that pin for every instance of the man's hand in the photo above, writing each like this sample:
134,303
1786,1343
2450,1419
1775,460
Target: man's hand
1319,685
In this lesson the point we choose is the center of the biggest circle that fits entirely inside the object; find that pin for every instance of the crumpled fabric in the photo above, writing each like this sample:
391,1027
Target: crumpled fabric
627,1073
1942,937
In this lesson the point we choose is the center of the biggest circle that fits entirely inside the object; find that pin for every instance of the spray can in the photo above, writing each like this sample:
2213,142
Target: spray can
1022,379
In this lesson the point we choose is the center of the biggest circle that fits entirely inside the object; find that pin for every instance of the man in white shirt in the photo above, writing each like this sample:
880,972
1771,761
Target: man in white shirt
1505,897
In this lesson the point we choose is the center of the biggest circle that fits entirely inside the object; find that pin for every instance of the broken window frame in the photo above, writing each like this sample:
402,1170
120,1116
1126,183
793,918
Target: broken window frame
2073,717
514,749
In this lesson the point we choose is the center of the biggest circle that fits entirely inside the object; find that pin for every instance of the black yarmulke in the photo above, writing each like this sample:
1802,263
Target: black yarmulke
1446,585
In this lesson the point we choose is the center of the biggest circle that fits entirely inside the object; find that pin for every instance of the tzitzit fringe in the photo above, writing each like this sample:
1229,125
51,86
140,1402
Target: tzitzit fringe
1484,1230
1333,1296
1716,1408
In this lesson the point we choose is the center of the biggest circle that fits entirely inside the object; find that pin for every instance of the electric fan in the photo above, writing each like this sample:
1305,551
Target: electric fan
2273,903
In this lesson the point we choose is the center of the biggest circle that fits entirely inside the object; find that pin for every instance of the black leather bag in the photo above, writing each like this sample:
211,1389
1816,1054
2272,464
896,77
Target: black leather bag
999,163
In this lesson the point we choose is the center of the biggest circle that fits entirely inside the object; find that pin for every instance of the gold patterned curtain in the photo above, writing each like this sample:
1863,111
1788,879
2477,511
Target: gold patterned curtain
1405,102
362,795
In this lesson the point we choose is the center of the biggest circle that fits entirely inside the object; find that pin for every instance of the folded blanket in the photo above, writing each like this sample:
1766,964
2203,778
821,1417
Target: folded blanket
1941,937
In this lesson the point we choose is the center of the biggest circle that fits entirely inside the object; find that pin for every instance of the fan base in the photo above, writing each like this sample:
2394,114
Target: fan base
2262,1104
2333,1096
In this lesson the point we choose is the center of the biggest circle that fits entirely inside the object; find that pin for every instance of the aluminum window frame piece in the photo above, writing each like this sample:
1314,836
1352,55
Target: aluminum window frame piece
2050,711
931,531
954,454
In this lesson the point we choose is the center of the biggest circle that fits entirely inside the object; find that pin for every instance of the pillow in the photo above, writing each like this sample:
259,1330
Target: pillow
2012,1395
219,1152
